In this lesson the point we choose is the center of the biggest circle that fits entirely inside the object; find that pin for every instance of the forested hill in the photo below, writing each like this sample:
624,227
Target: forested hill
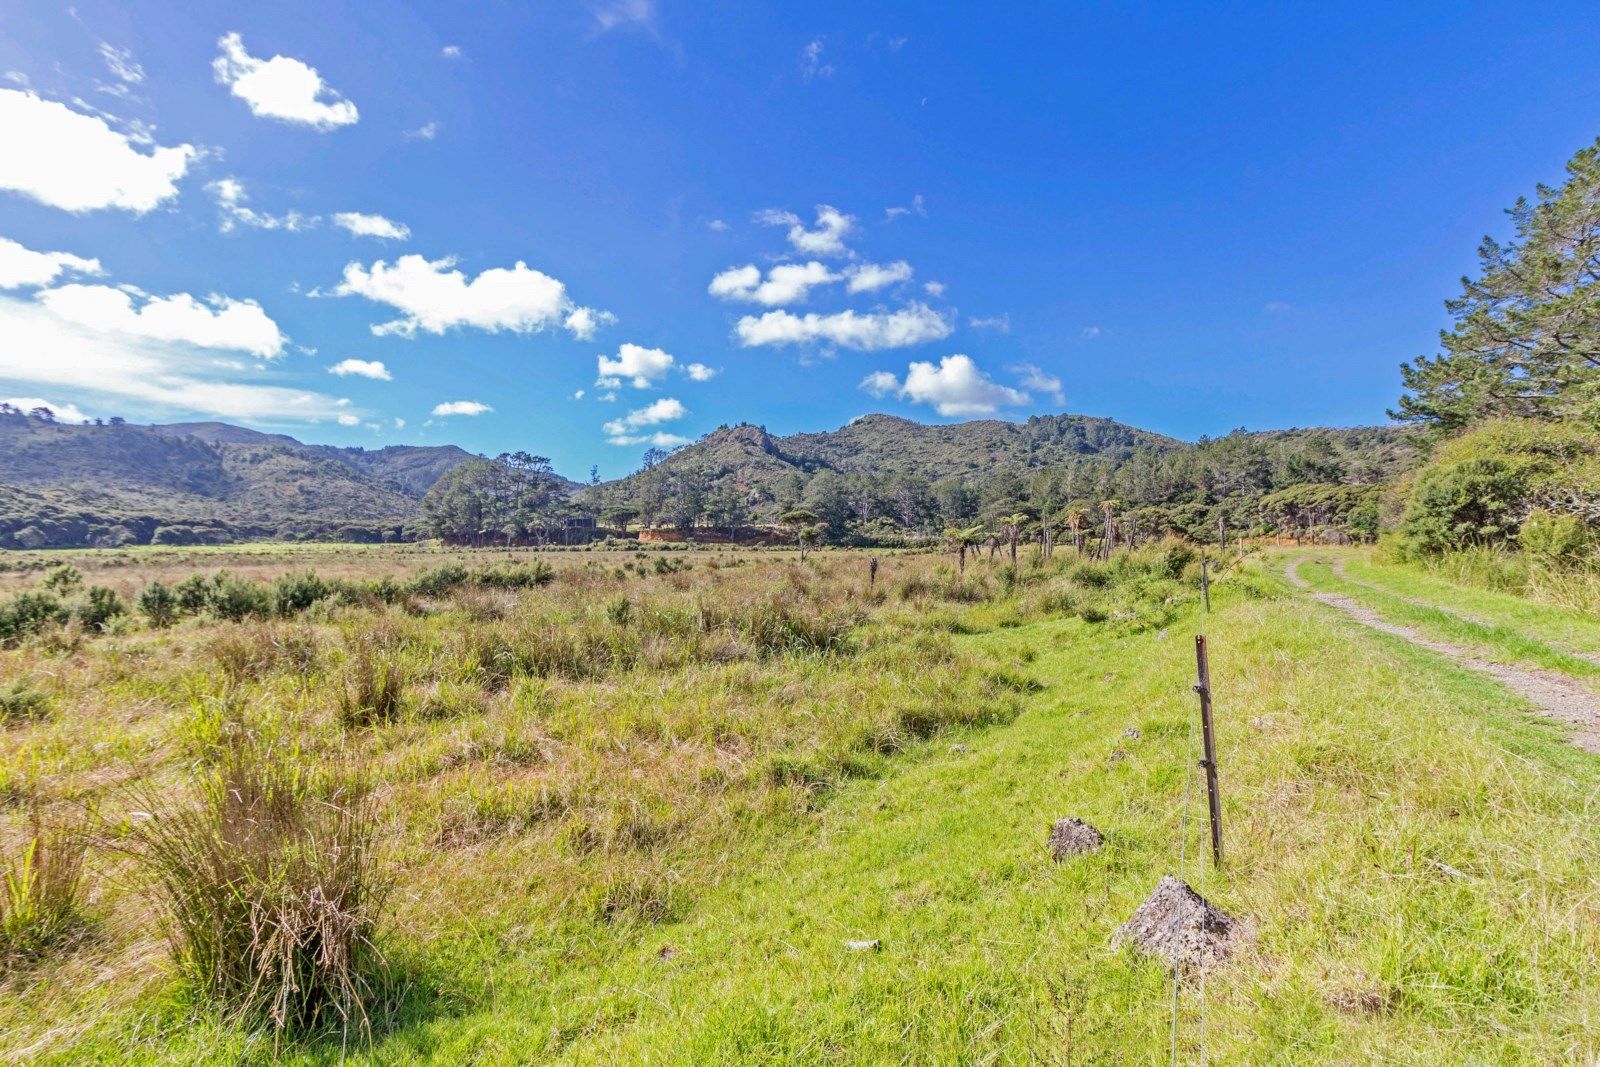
919,475
67,484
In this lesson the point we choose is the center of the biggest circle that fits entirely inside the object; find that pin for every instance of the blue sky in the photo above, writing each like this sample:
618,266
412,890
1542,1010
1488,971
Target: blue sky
1189,217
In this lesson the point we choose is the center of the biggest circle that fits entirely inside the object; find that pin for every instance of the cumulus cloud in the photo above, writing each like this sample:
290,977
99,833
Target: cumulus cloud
954,387
657,439
826,238
870,277
434,297
362,368
583,323
281,88
934,289
231,198
699,372
1034,378
787,283
450,51
664,410
21,266
426,132
460,407
62,412
913,324
77,162
360,225
144,368
642,366
217,322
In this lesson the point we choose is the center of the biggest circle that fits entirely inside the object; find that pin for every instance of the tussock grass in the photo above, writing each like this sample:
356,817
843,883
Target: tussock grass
272,891
41,894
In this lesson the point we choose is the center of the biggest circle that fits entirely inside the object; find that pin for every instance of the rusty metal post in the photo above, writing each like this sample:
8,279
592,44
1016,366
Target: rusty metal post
1209,742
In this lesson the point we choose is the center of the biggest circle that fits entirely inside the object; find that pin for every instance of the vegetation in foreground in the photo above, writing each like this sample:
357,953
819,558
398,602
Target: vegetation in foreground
622,816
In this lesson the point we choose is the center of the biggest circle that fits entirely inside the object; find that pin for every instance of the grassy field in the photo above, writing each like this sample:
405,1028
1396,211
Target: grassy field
636,812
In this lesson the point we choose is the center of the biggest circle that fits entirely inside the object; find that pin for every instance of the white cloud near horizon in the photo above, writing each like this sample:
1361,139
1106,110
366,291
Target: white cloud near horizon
281,88
46,349
1035,378
956,387
664,410
433,297
62,412
362,368
218,322
460,407
913,324
20,266
76,162
362,225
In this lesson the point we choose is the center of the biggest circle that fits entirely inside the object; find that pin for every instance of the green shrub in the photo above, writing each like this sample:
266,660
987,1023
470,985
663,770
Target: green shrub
236,598
159,604
1472,502
62,579
192,594
1552,538
294,593
99,606
28,613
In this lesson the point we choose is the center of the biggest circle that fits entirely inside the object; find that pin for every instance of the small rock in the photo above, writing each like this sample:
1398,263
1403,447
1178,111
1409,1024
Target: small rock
1073,837
1180,927
1118,756
1108,677
864,946
1131,733
959,750
1162,636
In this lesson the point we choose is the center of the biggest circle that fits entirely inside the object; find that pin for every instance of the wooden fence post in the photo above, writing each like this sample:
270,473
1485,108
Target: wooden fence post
1209,741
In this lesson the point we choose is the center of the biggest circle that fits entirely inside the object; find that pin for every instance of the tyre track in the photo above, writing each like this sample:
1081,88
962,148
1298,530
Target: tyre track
1555,696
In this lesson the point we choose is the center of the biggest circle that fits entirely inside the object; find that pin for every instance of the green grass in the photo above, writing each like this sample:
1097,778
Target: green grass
1358,772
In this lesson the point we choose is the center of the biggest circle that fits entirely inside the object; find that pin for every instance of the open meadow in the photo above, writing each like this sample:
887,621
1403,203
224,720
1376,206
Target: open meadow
609,807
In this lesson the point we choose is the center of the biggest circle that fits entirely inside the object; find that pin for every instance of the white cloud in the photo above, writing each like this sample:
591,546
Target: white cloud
426,132
934,289
917,207
955,387
219,322
582,323
451,51
77,162
811,64
349,420
1035,378
21,266
913,324
664,410
870,277
718,226
657,439
399,424
144,369
281,88
580,394
62,412
787,283
120,62
613,13
460,407
1001,322
880,383
827,239
230,196
435,298
361,225
1089,333
362,368
699,372
643,366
